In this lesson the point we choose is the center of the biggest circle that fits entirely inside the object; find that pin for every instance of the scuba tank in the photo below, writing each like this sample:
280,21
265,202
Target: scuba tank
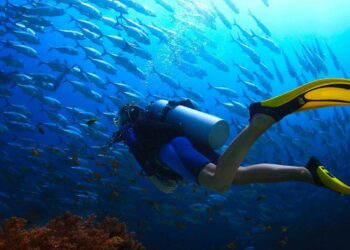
205,128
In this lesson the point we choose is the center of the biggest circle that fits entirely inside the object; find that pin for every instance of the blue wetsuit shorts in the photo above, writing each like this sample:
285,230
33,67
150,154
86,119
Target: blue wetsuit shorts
186,158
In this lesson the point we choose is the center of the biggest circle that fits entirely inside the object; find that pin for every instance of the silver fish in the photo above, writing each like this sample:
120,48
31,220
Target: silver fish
230,93
103,65
69,50
23,49
88,10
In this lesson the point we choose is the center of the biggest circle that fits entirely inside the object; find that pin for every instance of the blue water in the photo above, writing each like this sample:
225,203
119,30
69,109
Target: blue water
37,180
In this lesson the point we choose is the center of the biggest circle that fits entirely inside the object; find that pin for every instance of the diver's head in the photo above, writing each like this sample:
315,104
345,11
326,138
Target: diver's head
128,113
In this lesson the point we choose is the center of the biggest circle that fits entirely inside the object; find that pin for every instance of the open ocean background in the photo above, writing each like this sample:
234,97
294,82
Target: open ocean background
51,161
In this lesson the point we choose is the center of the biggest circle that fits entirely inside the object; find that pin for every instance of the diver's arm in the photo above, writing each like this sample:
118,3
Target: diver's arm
128,136
138,150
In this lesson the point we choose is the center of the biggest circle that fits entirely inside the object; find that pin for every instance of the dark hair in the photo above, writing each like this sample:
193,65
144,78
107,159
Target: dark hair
130,112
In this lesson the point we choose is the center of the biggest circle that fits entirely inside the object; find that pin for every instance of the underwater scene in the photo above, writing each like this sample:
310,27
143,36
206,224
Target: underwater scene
130,124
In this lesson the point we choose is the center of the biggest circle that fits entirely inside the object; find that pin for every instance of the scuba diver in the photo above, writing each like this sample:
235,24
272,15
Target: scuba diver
171,142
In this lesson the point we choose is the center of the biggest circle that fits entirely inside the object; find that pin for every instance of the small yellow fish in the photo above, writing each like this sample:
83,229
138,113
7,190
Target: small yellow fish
115,165
209,210
262,197
97,176
282,242
35,152
114,193
266,228
231,245
132,180
75,160
91,121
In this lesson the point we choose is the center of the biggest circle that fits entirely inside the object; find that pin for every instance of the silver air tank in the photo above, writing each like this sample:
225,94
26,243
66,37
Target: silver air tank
207,129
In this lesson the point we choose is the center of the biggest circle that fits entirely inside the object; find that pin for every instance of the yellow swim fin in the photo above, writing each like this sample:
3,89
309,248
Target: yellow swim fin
331,182
322,177
320,93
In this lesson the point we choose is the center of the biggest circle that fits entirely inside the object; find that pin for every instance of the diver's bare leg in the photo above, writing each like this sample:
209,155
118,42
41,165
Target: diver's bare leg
265,173
231,159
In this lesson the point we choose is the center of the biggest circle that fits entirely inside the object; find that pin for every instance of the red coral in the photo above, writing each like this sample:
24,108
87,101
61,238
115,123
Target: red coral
68,232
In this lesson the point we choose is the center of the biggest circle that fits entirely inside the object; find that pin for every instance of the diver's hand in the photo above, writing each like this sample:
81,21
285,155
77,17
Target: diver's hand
162,184
128,134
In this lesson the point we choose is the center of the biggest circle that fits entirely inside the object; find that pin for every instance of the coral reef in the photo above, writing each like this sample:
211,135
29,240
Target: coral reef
67,232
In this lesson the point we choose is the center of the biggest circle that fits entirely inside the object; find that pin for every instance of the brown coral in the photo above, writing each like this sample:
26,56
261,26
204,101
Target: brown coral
68,232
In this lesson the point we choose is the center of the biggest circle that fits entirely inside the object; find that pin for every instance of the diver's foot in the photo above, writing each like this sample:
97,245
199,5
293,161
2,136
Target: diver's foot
262,120
277,113
323,178
312,166
256,109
